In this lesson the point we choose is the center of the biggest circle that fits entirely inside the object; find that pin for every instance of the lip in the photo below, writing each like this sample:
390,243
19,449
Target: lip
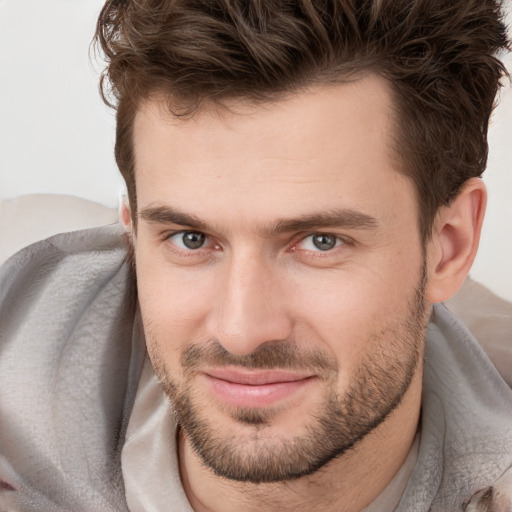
255,388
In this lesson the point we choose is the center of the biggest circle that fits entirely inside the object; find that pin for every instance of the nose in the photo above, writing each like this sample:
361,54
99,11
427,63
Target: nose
250,308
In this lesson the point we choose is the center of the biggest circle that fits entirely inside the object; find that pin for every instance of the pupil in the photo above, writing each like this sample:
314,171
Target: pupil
193,240
324,242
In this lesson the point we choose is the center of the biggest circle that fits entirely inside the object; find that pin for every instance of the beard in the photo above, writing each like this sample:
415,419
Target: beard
340,421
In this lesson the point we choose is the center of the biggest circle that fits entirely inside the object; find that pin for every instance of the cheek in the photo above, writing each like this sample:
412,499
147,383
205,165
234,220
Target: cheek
173,303
344,310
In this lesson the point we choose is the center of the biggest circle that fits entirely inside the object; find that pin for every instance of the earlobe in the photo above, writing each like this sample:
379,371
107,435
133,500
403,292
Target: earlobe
124,214
455,239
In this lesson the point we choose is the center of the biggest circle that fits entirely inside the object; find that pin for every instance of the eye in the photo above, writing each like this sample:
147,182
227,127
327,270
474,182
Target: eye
320,242
188,240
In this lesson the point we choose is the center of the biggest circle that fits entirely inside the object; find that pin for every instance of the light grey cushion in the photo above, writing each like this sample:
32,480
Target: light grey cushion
30,218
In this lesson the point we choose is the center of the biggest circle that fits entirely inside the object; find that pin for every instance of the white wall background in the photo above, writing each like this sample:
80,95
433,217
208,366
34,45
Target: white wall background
55,133
57,136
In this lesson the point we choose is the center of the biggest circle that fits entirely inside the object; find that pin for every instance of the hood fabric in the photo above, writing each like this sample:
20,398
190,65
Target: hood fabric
72,350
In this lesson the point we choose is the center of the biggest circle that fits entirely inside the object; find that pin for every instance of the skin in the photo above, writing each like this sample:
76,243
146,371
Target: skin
240,173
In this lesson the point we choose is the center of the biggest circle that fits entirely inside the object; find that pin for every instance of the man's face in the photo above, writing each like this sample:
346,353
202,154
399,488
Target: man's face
280,275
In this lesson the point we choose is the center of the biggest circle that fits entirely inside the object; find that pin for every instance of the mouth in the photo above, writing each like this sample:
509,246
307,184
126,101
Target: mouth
255,388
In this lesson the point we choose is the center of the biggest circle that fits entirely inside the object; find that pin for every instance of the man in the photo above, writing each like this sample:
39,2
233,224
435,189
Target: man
304,186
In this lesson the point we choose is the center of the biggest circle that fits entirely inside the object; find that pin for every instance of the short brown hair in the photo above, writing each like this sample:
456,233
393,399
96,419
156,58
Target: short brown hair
439,56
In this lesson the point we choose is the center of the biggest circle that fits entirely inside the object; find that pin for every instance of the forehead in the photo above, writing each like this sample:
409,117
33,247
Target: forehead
329,144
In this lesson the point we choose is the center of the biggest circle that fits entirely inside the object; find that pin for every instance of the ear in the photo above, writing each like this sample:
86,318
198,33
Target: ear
124,213
455,239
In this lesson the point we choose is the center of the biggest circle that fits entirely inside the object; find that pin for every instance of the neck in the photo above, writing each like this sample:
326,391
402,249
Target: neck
348,483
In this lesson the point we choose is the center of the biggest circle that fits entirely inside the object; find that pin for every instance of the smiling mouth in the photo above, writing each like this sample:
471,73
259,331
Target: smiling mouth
255,388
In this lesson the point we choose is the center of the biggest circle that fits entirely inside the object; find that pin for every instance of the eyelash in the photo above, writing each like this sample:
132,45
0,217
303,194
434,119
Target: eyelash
341,241
186,252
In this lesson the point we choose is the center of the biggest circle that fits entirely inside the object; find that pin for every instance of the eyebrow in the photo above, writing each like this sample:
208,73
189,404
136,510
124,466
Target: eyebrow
169,215
334,218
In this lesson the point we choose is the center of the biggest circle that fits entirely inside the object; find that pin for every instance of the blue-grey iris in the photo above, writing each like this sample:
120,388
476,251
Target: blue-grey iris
324,242
193,239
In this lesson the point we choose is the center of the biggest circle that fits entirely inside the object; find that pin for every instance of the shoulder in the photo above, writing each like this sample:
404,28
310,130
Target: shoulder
49,282
67,330
466,435
489,319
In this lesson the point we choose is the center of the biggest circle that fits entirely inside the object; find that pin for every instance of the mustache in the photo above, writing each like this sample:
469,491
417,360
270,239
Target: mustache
269,355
